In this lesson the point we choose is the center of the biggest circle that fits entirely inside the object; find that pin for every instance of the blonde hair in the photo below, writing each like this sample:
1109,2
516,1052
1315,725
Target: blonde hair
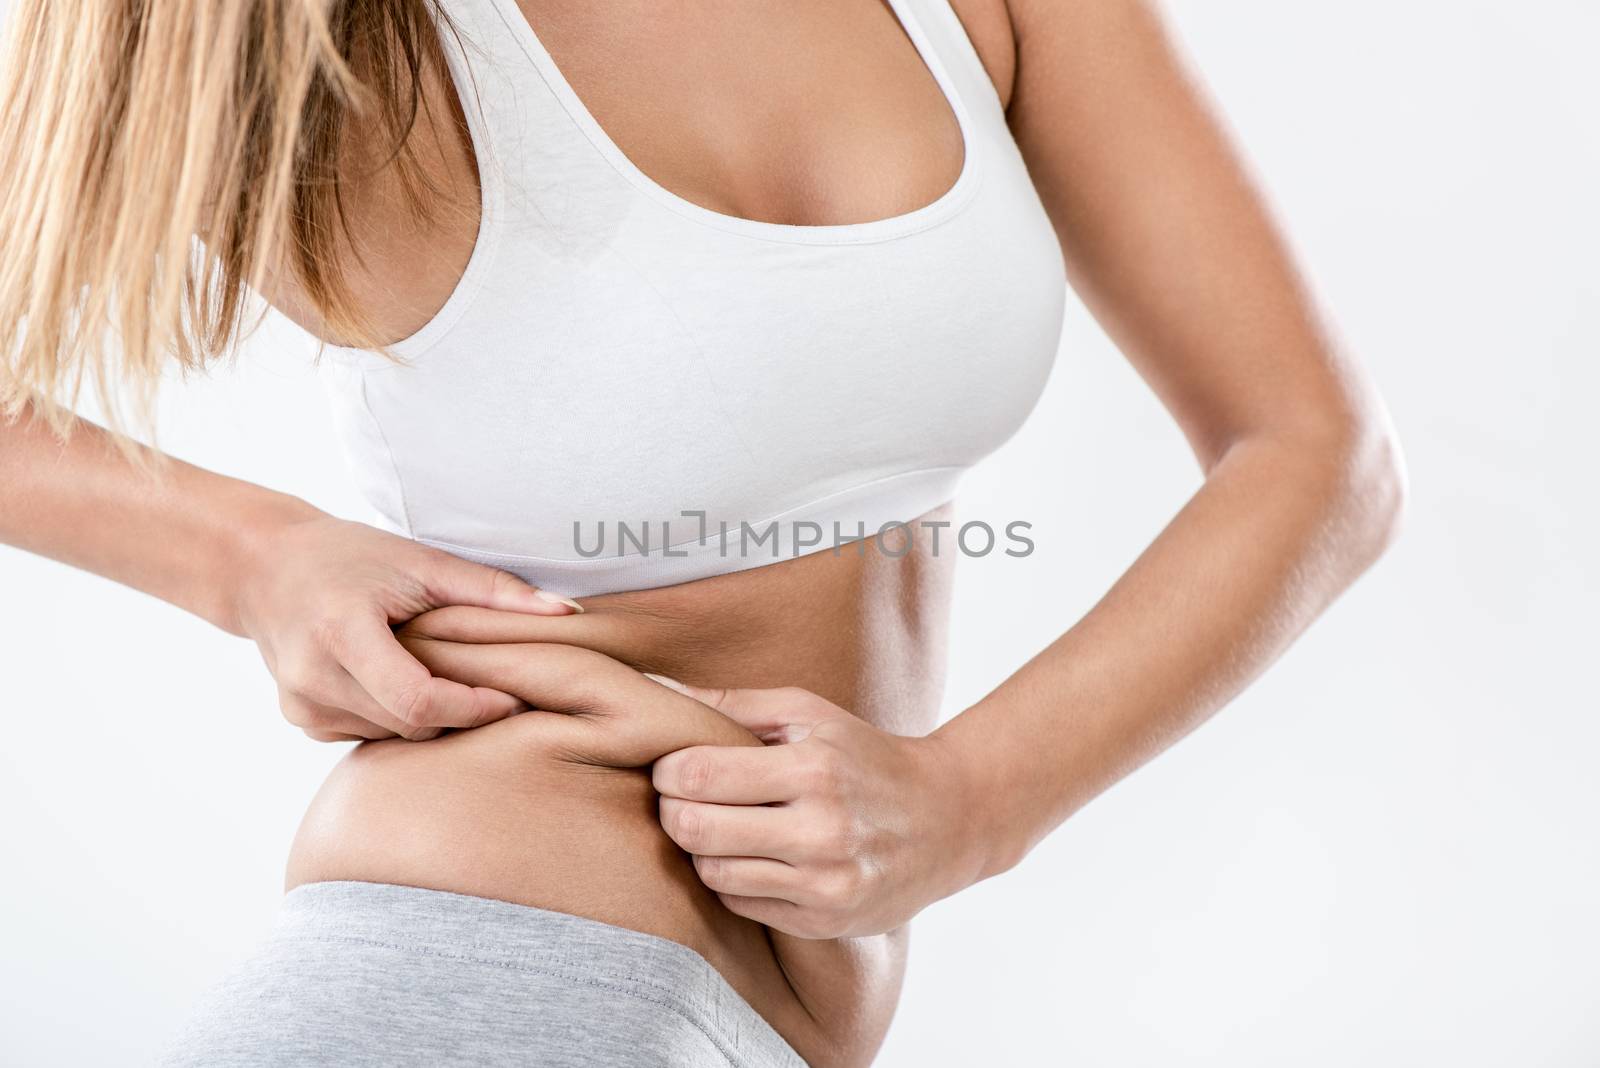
131,128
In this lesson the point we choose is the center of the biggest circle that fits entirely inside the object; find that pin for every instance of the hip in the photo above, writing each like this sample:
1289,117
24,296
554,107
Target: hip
363,973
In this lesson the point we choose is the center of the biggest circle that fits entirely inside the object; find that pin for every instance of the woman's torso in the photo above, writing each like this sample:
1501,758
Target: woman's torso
628,389
499,812
776,263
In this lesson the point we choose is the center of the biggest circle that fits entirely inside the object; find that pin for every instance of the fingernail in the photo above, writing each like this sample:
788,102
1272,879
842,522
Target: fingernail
556,598
671,684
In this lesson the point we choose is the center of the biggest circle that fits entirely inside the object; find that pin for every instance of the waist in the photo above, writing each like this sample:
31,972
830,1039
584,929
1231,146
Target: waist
516,811
864,626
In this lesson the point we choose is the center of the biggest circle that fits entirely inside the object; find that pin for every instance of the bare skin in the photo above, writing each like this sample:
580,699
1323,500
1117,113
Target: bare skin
1165,240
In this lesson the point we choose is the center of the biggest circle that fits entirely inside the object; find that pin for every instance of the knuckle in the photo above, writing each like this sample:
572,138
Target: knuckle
833,833
821,772
321,718
831,731
847,831
503,583
845,886
689,827
735,903
297,676
411,704
296,711
414,733
713,871
694,773
305,714
327,631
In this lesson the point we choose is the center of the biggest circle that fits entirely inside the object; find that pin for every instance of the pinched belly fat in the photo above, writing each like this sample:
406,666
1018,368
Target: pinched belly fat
554,808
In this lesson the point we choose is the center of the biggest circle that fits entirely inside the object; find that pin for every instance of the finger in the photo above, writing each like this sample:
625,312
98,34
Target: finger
405,689
619,718
327,723
617,635
348,696
730,830
730,775
335,736
552,677
750,877
453,580
782,714
778,914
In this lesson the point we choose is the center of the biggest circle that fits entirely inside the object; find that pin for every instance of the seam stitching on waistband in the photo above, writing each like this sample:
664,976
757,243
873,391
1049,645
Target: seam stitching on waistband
621,984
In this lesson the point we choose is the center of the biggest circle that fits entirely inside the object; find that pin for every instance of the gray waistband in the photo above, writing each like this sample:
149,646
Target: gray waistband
458,927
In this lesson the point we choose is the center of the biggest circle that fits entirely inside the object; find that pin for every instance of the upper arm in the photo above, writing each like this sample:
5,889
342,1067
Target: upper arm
1166,239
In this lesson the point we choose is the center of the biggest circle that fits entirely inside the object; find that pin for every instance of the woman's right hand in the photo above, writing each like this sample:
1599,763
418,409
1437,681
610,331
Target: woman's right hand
320,597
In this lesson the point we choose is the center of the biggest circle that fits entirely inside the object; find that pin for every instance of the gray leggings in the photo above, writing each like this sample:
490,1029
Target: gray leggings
365,974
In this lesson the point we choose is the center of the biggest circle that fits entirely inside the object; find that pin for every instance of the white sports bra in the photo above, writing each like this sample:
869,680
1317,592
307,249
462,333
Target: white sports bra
628,390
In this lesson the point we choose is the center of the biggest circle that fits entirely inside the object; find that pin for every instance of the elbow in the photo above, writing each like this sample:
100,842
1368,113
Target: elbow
1339,467
1369,503
1383,488
1343,467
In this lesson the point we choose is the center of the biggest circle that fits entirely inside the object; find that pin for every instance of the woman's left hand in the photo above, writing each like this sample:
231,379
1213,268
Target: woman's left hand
833,829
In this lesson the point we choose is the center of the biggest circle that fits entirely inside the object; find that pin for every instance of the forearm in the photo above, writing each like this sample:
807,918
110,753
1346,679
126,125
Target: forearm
1278,530
182,534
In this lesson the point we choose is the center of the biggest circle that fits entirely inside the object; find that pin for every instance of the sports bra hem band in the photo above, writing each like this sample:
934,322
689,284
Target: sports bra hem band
896,499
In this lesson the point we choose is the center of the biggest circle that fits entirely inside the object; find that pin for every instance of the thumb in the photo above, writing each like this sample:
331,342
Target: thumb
453,580
781,714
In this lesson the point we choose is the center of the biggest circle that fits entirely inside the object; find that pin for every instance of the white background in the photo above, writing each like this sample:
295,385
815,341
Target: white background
1385,854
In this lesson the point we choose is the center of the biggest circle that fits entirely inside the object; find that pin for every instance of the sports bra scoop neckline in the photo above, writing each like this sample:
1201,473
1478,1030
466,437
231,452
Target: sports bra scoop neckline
603,143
